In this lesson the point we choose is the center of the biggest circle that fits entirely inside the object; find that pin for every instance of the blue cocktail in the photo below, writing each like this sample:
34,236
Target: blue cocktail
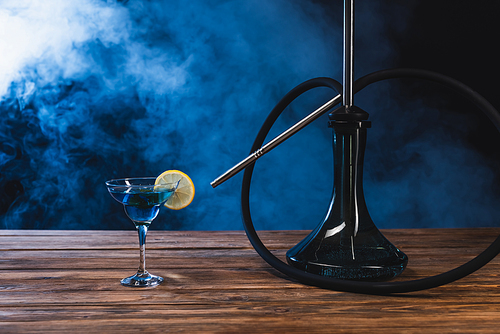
142,199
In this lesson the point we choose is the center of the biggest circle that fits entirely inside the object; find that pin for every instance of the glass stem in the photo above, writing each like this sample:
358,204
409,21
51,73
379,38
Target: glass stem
143,230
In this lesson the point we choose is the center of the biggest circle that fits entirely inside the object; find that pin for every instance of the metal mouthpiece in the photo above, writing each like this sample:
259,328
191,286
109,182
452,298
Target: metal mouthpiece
276,141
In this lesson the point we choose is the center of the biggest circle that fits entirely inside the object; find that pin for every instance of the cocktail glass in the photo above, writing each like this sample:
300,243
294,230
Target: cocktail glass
141,199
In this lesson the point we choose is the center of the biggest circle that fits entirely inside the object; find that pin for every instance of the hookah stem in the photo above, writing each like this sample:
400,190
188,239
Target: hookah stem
142,229
348,73
348,102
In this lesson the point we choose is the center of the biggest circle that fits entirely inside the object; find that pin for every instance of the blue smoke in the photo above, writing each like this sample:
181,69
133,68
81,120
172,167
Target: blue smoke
94,90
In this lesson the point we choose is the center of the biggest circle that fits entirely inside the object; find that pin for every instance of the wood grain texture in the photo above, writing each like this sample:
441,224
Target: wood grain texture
61,281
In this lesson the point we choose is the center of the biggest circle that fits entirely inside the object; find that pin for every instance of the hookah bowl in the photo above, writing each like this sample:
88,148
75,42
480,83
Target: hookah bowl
347,244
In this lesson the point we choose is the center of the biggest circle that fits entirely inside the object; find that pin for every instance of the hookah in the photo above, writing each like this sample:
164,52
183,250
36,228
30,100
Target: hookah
346,251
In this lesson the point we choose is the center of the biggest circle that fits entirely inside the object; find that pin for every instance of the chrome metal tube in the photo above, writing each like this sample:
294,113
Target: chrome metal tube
276,141
348,74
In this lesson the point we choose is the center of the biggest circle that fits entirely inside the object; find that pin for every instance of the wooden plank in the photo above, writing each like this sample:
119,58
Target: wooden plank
37,239
215,282
263,318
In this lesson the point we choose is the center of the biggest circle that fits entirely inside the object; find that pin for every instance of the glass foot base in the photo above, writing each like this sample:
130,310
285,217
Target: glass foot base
368,256
142,280
352,272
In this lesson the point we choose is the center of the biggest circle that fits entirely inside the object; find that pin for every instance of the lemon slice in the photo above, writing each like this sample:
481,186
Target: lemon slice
183,195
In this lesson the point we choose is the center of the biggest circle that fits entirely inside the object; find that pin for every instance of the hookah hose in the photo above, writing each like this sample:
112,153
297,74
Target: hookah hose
375,288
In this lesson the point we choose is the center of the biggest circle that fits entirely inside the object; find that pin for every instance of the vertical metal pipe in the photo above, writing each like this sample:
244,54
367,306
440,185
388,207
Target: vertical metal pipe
348,54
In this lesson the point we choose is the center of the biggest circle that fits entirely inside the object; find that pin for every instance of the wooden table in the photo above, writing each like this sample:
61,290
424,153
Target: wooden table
68,281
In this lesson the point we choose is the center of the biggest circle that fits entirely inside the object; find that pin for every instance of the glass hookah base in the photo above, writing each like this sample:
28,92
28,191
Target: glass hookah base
142,280
372,269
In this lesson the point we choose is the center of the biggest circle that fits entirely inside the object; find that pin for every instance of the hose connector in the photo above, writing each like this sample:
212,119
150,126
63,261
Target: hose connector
344,113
